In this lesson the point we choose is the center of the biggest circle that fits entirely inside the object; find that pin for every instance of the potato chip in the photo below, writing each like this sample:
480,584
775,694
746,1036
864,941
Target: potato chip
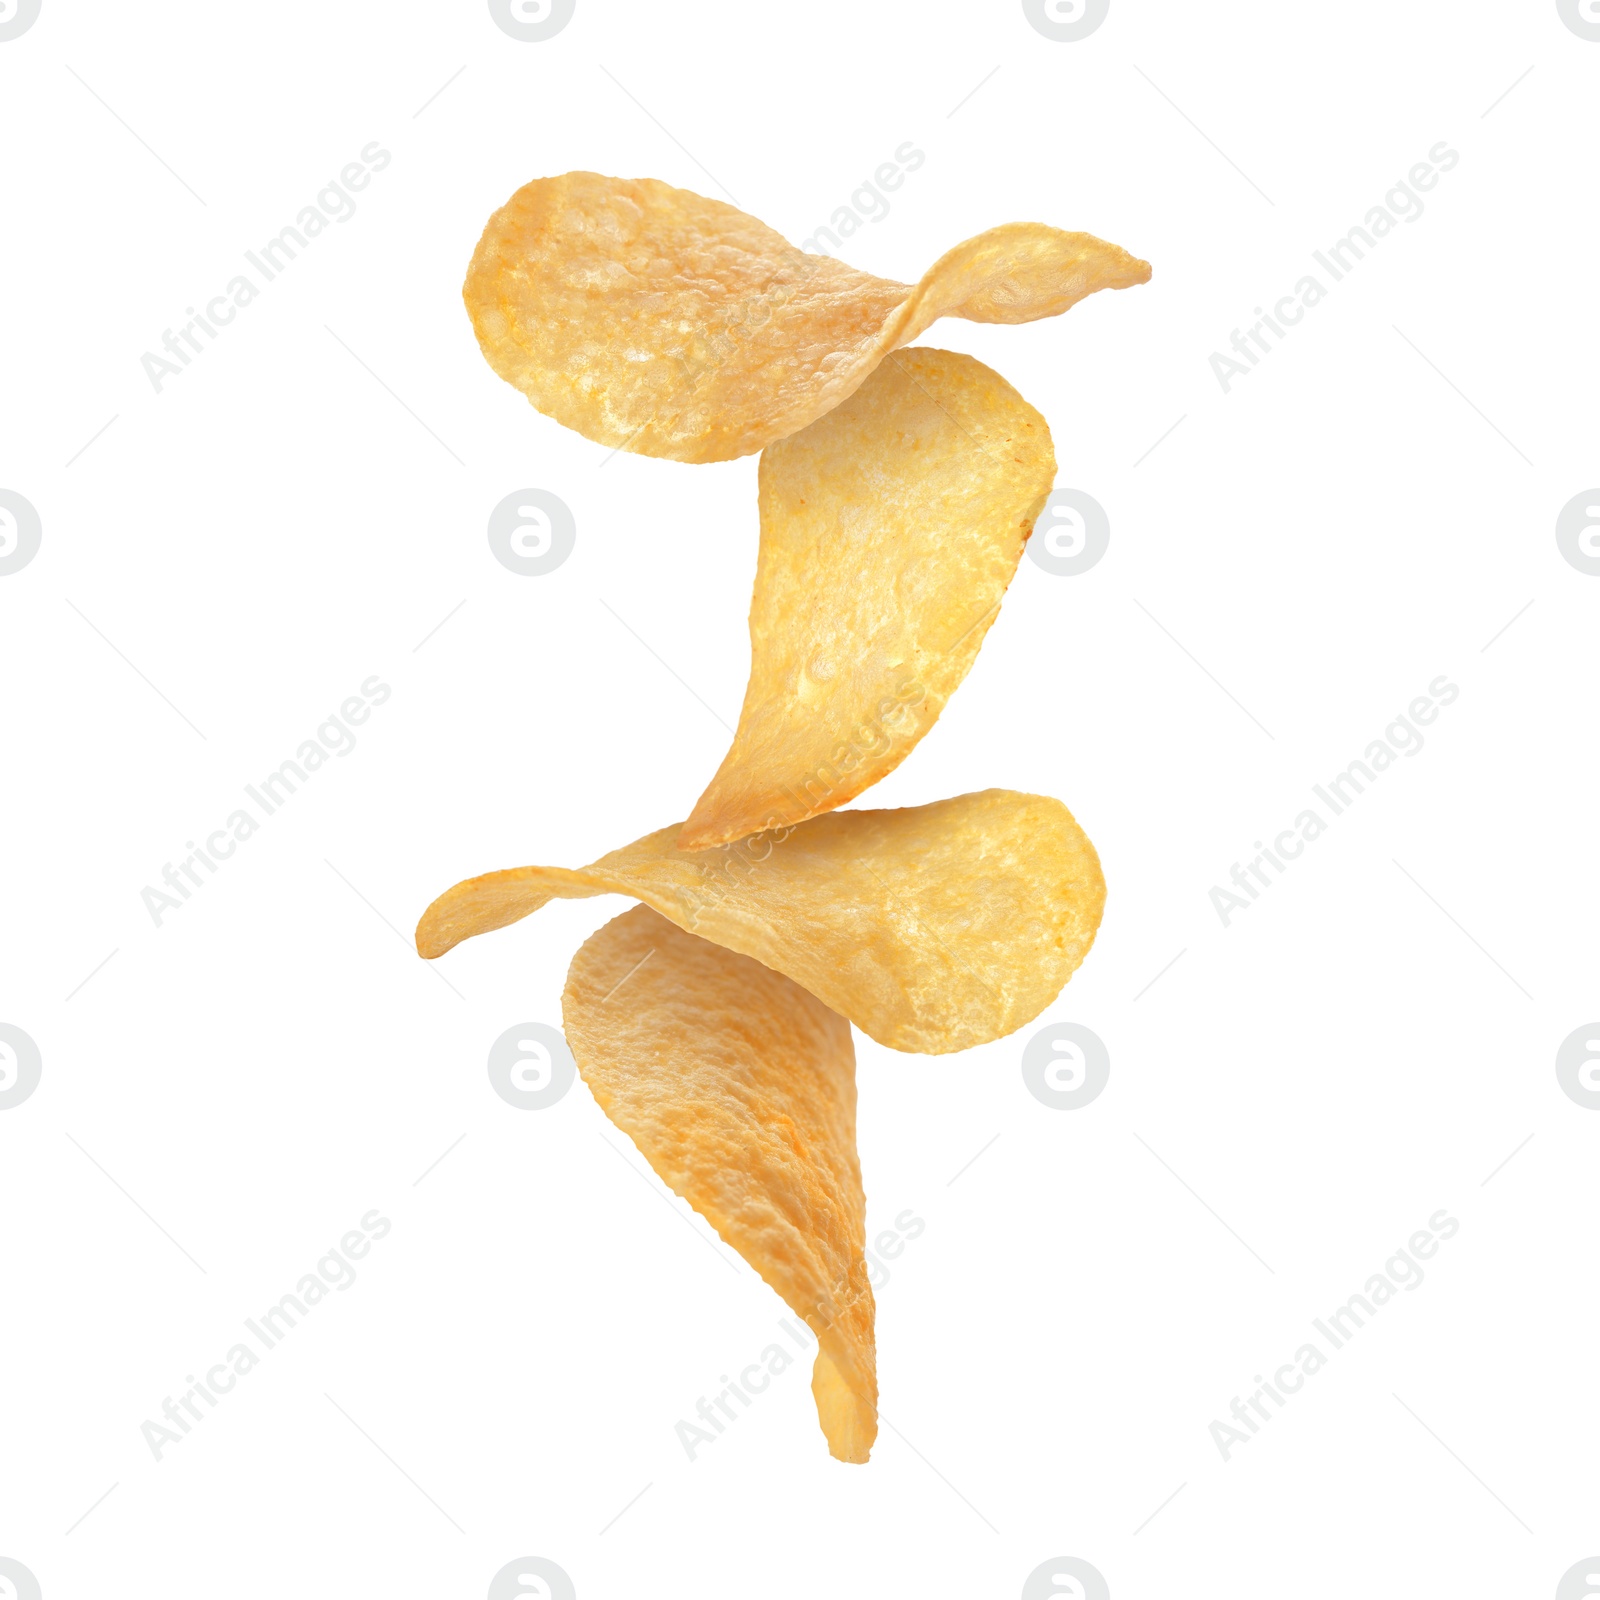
739,1088
652,319
890,529
932,928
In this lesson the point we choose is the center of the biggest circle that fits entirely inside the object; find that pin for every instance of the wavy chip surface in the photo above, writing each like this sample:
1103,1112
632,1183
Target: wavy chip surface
932,928
739,1088
652,319
890,529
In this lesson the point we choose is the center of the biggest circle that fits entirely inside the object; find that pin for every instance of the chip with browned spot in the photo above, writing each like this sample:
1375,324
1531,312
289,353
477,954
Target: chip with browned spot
739,1088
890,529
653,319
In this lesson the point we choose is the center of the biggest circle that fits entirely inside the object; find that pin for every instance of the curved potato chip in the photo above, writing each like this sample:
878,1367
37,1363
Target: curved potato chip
890,529
932,928
652,319
739,1088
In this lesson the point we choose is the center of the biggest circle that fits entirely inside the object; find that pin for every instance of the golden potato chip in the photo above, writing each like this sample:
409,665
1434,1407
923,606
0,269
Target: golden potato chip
932,928
652,319
890,529
739,1088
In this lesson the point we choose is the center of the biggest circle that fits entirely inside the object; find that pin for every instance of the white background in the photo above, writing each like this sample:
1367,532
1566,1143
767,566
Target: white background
1289,1100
